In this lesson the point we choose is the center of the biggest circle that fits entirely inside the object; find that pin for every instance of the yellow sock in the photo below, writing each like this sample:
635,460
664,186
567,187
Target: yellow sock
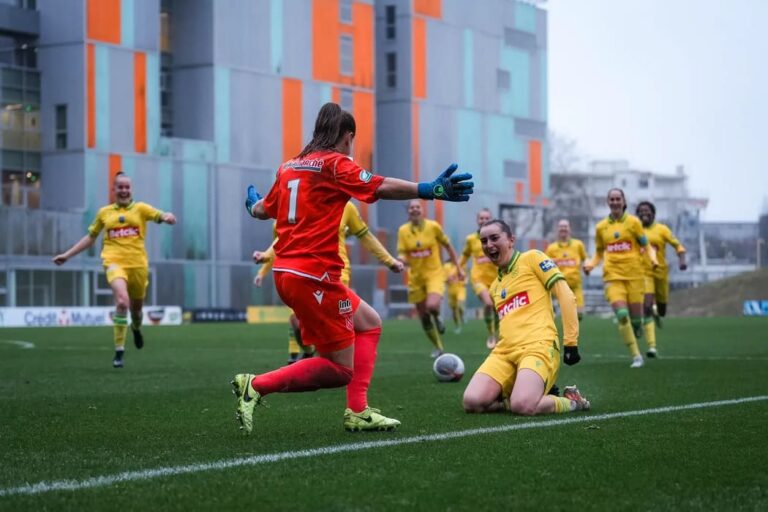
120,323
562,404
629,338
434,337
649,328
293,346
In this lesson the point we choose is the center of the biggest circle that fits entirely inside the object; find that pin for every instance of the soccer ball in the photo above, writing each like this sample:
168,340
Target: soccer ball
448,368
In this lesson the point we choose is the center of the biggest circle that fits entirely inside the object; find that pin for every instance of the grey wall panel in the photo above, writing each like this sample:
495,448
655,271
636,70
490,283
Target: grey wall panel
192,32
445,74
487,57
253,233
297,39
121,104
62,82
542,34
466,14
61,21
393,142
256,119
146,15
241,34
193,103
62,181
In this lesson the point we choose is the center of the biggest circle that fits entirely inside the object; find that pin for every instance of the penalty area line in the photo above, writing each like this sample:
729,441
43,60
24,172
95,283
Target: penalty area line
254,460
20,343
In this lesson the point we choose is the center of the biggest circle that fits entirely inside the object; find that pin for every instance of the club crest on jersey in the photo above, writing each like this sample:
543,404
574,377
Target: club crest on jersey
503,293
515,302
121,219
547,265
616,234
365,176
124,232
345,306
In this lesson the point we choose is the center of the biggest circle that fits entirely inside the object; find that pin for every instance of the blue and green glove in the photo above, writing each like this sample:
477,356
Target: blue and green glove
447,186
252,198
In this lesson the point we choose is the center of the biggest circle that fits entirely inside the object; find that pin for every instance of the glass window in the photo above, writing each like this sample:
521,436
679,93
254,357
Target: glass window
503,79
391,69
12,78
346,99
390,17
346,54
61,127
345,11
21,189
13,159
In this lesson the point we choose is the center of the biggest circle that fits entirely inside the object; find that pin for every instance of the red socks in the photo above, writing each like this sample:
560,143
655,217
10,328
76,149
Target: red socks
365,359
304,375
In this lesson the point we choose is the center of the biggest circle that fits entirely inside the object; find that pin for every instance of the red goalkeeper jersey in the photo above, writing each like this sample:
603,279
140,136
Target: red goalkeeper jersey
307,200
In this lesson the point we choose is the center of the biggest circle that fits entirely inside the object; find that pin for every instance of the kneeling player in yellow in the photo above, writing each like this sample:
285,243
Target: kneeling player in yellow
419,243
482,275
569,254
457,294
657,281
125,259
524,364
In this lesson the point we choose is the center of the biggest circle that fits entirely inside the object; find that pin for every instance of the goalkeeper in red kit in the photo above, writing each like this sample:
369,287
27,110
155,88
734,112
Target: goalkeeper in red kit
307,200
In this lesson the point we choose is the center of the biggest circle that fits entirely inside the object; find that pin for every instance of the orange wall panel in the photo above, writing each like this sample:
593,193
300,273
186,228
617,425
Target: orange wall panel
534,168
519,192
115,166
433,8
325,40
362,45
439,212
140,102
363,108
90,85
419,58
104,20
292,143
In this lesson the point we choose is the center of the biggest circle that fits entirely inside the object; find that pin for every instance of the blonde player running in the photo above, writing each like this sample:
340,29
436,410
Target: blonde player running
351,224
657,281
620,237
524,364
482,275
419,243
457,294
125,259
569,254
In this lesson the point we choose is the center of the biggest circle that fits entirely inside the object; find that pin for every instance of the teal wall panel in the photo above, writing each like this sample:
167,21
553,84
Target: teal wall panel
525,17
127,27
222,113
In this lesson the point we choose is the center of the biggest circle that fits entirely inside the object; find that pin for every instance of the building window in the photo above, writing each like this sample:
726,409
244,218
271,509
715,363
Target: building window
389,25
642,183
391,70
345,11
61,127
346,55
503,79
515,170
21,189
345,97
166,95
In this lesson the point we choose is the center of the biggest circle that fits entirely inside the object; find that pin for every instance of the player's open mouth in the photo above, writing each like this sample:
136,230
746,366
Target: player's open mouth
492,254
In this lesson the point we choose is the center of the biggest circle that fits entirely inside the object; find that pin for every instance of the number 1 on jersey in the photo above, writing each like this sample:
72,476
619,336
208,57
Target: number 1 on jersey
293,186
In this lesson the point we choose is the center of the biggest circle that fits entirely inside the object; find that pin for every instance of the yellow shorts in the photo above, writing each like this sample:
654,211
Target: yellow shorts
630,292
419,286
456,295
503,363
137,279
658,287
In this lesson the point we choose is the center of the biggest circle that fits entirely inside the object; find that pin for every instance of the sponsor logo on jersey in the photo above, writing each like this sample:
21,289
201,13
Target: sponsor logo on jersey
312,165
423,253
123,232
547,265
513,303
318,296
566,262
623,246
365,176
345,306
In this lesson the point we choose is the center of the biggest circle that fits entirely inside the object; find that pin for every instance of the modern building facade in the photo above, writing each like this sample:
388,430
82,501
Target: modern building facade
196,99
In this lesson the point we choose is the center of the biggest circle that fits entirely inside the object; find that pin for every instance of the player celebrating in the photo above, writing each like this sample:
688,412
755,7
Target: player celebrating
457,294
524,364
418,246
569,254
307,200
351,224
125,259
657,281
620,236
482,275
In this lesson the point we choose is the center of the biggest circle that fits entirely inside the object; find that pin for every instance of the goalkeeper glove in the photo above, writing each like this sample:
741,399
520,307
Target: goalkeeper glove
252,198
571,356
447,186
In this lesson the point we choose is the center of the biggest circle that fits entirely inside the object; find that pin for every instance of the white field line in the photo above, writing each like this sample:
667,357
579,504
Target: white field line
684,358
21,344
149,474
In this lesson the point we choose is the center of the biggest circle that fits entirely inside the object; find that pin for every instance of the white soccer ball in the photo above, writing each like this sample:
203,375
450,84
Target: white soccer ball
448,368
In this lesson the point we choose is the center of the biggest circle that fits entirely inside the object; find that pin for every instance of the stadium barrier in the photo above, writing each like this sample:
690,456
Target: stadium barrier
268,314
756,308
214,315
82,317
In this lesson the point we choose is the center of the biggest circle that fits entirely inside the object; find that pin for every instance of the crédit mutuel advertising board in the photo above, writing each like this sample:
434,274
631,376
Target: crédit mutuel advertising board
82,316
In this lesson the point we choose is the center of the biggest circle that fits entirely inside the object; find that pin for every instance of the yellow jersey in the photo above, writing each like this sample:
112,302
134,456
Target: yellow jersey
452,277
483,271
659,235
568,256
420,245
521,296
124,228
619,242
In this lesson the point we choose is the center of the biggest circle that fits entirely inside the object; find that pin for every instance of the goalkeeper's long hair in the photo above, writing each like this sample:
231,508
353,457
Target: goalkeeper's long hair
331,125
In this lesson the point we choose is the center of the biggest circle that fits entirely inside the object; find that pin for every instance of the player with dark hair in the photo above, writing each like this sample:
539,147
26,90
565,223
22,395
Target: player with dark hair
524,364
307,200
620,237
657,280
124,223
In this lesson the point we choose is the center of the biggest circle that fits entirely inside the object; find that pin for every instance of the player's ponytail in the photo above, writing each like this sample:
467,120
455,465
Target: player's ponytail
332,124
